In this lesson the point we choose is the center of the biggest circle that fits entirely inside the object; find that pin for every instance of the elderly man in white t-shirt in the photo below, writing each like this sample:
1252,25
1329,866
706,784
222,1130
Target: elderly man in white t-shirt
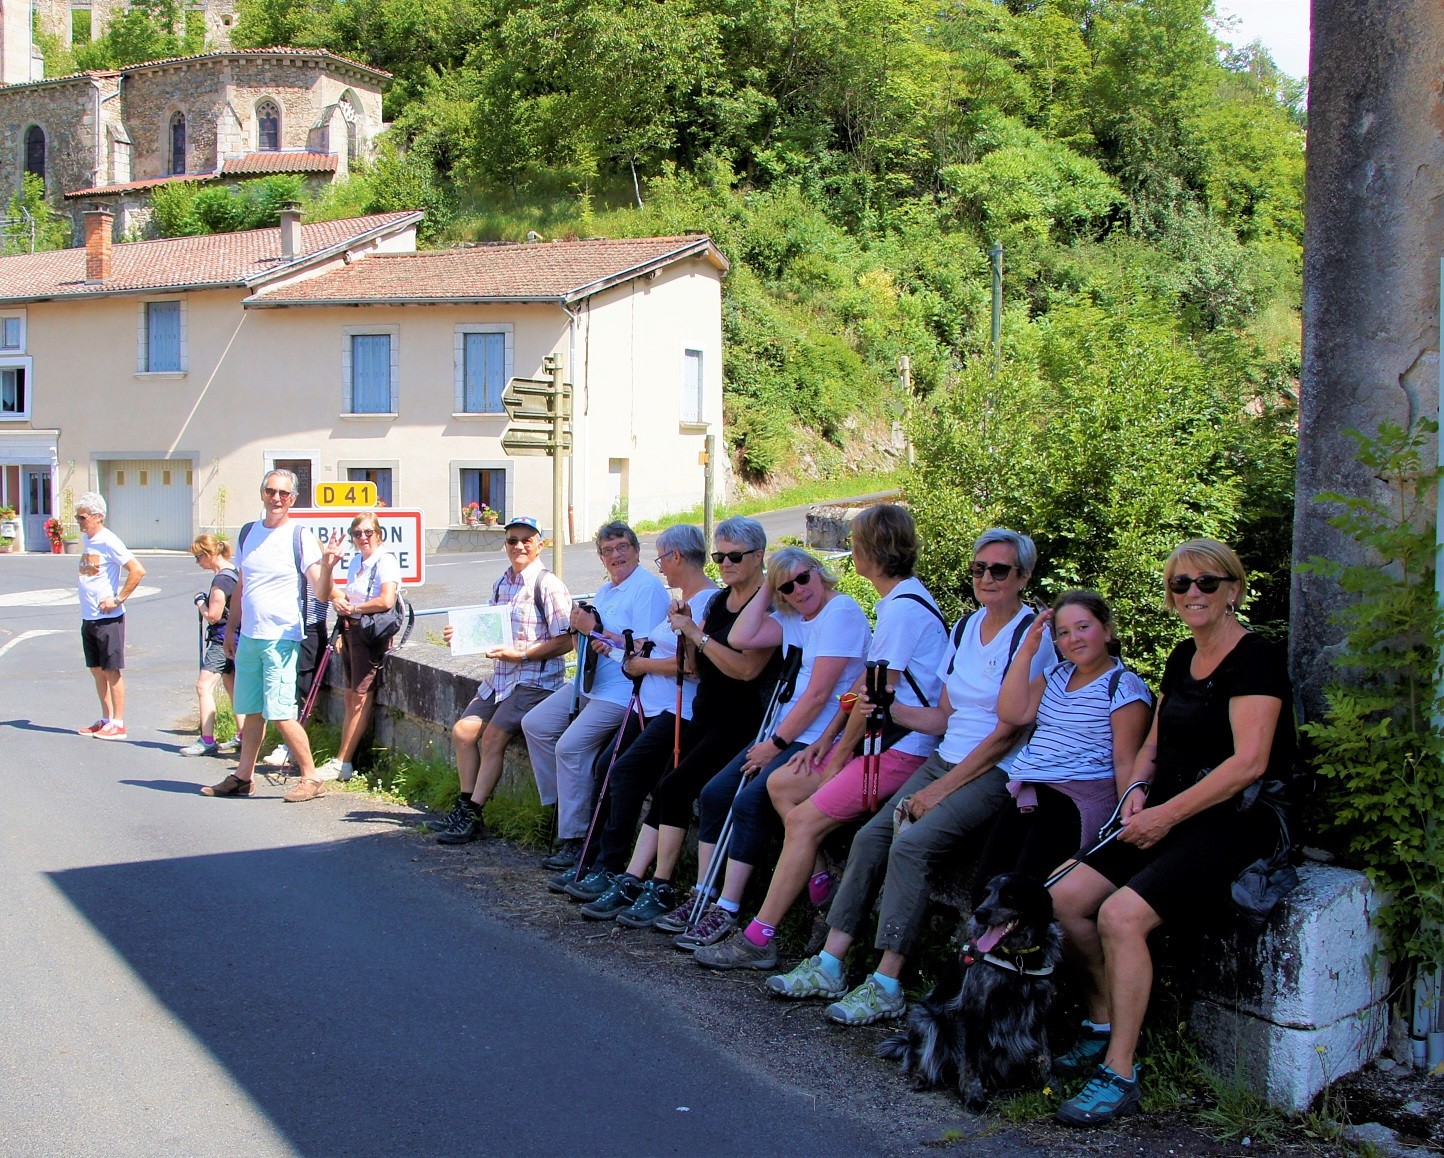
108,575
263,635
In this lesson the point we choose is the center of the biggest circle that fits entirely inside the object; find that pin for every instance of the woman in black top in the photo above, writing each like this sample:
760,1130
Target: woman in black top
731,685
1224,721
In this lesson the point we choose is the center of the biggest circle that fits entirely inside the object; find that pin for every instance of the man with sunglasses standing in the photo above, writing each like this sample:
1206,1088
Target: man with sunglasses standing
562,749
276,559
109,574
526,673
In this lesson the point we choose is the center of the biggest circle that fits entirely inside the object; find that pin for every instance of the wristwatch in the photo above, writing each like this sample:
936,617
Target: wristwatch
702,641
779,742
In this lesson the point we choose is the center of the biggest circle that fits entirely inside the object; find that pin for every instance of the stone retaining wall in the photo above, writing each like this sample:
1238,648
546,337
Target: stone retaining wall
1284,1013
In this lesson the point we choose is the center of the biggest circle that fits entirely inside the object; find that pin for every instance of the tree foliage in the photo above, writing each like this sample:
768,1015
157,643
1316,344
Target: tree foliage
30,220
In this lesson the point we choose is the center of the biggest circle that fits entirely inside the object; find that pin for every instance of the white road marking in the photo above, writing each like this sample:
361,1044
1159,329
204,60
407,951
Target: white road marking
58,596
24,635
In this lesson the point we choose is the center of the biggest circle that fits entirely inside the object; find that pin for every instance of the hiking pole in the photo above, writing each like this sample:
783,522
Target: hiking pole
781,694
313,693
575,711
677,720
877,719
201,600
1111,828
634,704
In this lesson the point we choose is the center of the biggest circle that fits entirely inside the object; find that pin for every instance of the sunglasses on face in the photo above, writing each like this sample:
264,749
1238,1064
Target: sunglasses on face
801,579
274,493
997,571
363,534
1208,584
513,541
731,556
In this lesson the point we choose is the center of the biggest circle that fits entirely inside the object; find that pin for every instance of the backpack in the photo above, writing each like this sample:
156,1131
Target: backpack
962,625
536,598
907,674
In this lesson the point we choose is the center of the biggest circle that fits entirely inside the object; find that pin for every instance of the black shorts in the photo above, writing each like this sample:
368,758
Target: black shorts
214,659
103,641
1192,870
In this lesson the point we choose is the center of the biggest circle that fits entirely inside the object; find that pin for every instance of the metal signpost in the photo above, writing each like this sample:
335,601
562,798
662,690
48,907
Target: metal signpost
540,410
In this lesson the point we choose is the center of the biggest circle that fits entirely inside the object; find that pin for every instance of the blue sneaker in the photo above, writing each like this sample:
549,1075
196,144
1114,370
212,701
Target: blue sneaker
1087,1053
1105,1097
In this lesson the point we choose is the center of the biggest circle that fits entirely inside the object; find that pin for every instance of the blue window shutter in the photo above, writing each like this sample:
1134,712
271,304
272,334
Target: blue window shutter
162,337
370,373
485,372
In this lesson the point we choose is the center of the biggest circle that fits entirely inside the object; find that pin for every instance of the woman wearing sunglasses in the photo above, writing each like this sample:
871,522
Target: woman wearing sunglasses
943,806
372,579
1224,721
833,635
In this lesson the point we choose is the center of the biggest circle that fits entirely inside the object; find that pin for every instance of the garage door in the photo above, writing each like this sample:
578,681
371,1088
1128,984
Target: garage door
149,500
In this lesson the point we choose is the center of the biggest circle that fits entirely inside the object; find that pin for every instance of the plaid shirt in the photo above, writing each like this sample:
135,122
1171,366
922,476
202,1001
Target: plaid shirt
528,627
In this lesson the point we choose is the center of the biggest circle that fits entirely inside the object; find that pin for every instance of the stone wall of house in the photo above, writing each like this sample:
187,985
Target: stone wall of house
65,111
54,16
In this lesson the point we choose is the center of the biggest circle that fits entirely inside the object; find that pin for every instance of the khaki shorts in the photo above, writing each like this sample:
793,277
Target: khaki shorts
506,715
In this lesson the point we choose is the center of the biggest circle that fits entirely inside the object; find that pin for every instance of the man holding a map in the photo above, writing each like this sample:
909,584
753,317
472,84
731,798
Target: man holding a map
525,631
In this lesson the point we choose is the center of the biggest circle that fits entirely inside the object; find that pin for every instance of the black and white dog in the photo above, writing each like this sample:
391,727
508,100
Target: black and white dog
984,1024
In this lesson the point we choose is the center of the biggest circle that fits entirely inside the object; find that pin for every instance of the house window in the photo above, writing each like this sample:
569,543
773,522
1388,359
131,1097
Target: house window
379,475
370,377
485,486
162,338
12,332
692,386
14,392
35,151
483,373
178,143
268,126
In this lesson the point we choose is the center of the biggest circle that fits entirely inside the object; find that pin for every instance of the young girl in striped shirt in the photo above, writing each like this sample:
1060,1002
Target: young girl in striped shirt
1090,715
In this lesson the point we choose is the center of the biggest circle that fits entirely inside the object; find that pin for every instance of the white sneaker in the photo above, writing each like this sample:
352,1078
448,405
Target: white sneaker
280,756
331,770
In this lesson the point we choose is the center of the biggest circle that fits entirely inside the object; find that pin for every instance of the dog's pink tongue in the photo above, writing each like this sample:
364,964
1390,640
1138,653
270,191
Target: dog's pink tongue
992,937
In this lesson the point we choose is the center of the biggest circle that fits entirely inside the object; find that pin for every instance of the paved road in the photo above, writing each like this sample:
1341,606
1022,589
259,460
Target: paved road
190,976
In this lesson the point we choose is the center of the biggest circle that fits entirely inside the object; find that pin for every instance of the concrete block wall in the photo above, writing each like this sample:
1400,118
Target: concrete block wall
1285,1012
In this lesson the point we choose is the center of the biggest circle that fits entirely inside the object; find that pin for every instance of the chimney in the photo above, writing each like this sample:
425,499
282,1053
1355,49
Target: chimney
99,225
290,228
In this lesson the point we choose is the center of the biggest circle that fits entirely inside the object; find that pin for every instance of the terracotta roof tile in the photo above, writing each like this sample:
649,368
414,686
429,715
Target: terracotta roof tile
316,53
218,259
271,162
134,186
534,271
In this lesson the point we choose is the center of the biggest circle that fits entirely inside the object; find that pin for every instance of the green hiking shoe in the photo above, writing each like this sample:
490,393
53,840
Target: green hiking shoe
867,1004
654,901
620,895
808,979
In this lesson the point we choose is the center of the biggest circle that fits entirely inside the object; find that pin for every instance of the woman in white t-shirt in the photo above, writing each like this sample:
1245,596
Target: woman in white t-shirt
822,787
373,578
1089,715
832,634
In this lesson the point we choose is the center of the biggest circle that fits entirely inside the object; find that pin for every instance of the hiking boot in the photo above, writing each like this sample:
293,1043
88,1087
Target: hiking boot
90,731
738,953
201,748
459,812
466,829
655,900
229,747
232,785
559,883
566,856
307,788
808,979
111,731
1105,1097
715,925
331,770
625,889
676,921
593,885
866,1004
1086,1054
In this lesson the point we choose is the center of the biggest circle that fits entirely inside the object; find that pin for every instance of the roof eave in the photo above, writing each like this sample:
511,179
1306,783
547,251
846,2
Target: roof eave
259,301
700,247
307,259
100,291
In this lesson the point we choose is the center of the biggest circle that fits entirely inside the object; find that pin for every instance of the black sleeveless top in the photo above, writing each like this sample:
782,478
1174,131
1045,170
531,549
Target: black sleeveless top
722,700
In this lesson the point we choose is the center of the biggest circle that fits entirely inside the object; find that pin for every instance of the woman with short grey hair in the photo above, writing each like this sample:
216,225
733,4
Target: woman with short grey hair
684,541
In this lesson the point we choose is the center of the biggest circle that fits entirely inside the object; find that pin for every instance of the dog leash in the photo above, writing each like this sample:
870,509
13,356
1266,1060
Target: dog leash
1110,829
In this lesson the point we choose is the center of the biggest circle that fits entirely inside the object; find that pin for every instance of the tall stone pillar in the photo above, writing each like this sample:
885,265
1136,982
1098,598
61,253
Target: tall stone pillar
1372,245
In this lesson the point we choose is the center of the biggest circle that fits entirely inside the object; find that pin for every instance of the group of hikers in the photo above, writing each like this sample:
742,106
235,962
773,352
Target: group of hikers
771,709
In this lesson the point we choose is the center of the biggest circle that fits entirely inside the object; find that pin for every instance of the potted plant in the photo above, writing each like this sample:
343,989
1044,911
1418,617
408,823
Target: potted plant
70,538
471,514
489,517
7,545
55,534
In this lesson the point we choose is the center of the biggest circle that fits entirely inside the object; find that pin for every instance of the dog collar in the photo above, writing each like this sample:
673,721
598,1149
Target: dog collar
1015,967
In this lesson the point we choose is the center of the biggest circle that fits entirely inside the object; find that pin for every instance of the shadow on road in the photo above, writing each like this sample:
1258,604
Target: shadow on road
165,785
362,1007
30,726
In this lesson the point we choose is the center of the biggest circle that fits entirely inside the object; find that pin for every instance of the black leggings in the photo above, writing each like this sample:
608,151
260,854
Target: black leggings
708,751
1033,842
635,774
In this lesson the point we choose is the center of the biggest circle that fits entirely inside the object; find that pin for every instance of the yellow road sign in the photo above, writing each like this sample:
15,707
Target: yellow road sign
346,494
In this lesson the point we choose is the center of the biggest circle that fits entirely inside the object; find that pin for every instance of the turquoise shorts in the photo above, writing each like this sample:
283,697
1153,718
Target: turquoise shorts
266,677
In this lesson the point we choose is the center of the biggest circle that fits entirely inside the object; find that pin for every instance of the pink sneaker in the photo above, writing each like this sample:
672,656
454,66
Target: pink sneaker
111,732
93,729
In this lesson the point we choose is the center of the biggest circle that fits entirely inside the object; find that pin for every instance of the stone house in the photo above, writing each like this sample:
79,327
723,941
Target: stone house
338,351
111,137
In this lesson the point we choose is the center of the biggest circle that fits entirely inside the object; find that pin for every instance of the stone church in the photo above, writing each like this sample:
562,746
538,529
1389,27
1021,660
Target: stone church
110,137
